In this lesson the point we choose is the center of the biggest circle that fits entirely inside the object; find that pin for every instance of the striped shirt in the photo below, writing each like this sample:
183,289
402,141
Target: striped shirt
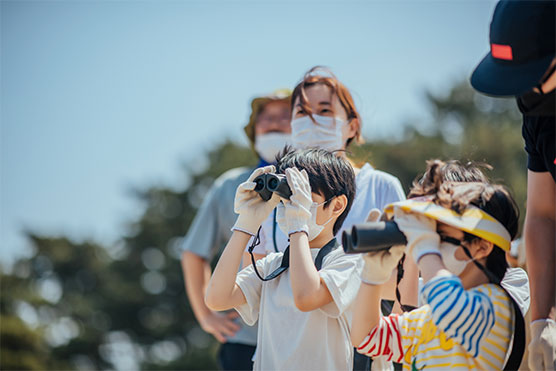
456,328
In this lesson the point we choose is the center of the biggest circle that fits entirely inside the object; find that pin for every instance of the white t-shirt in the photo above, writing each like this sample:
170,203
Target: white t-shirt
375,189
289,339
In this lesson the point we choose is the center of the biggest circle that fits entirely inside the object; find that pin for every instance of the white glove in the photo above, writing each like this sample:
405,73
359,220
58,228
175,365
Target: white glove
252,209
298,208
420,233
379,265
542,348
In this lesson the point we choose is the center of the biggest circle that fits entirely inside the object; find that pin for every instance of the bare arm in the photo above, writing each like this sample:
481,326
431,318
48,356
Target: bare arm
540,242
309,291
222,291
409,286
366,312
196,272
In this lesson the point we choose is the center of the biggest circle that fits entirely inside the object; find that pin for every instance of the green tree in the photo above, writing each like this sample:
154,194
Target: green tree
82,305
464,125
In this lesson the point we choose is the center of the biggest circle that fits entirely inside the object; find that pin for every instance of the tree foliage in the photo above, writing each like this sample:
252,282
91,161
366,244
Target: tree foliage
82,305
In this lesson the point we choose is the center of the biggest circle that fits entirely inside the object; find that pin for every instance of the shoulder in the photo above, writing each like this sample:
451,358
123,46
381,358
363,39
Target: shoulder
378,176
493,293
270,262
236,175
338,258
372,180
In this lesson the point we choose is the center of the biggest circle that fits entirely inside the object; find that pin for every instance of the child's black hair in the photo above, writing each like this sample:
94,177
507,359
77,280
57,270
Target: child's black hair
329,175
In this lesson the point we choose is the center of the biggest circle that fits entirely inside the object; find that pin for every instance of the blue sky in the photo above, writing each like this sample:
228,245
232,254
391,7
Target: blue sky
101,97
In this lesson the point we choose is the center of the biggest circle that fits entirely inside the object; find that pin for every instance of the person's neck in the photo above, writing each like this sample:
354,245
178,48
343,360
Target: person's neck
473,277
321,240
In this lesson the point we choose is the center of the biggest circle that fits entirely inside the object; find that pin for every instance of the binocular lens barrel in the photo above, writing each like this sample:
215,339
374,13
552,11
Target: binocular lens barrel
269,183
372,236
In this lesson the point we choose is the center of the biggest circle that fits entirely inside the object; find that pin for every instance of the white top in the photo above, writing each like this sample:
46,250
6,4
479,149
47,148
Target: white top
516,283
375,189
289,339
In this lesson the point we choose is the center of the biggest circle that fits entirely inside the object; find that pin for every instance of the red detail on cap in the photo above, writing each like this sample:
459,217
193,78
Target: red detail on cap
501,51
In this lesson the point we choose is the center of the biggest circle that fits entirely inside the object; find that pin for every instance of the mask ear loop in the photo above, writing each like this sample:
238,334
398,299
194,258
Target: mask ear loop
491,277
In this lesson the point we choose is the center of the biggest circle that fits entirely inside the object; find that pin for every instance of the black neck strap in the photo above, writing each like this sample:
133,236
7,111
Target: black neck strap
274,223
325,250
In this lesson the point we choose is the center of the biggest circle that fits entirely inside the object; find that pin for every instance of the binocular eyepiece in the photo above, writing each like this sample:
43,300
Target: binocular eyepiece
372,236
269,183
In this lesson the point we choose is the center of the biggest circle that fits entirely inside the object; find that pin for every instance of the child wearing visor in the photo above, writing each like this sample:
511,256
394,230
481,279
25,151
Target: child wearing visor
458,237
301,298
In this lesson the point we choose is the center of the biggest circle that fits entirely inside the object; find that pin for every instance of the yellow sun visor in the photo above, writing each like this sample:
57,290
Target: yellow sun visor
473,220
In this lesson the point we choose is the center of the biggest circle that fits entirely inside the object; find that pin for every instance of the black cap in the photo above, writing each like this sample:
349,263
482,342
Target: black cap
522,47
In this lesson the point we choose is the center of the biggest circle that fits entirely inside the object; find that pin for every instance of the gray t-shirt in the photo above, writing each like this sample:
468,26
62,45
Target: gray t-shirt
211,230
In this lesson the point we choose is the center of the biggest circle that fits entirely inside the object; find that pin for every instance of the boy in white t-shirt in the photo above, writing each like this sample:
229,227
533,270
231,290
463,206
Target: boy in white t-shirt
302,298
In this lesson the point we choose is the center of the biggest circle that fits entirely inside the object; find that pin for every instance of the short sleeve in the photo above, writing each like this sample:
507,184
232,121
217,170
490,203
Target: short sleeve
516,283
202,237
251,286
535,161
341,276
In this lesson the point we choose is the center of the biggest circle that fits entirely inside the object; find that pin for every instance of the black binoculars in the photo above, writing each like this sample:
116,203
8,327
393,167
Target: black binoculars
372,236
269,183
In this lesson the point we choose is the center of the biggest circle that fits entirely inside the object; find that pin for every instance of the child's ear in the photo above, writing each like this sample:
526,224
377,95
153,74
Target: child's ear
483,249
339,205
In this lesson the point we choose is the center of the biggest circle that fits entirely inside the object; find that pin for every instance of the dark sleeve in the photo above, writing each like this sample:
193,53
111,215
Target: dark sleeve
535,160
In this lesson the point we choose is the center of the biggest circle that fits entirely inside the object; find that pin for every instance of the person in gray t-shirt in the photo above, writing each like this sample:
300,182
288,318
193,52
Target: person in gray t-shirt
269,132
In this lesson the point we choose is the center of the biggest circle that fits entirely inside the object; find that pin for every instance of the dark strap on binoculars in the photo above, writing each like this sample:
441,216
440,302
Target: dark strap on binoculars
274,223
325,250
405,308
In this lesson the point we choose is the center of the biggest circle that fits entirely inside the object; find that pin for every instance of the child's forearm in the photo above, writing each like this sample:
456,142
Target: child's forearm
309,292
222,291
366,312
431,265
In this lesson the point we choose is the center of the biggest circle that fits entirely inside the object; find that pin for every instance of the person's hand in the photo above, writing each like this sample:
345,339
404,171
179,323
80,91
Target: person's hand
542,348
298,208
420,233
252,209
380,264
220,325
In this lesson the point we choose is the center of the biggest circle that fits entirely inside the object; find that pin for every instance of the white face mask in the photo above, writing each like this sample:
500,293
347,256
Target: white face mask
325,134
448,252
270,144
314,228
